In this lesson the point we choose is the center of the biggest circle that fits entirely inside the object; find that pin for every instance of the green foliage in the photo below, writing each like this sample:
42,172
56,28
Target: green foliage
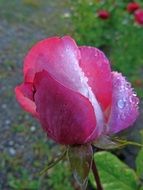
114,174
21,178
60,177
139,164
24,182
53,162
33,3
118,36
139,161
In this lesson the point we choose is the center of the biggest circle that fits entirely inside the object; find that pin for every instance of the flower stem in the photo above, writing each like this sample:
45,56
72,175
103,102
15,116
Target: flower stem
96,176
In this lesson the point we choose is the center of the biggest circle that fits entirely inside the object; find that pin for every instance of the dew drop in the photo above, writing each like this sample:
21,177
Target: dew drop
121,104
128,85
117,82
134,99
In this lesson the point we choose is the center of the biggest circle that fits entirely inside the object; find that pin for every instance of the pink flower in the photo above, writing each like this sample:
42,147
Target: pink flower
133,6
73,93
139,16
103,14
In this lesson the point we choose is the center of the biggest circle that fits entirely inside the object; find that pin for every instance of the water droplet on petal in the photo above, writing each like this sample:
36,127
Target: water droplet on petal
117,82
95,54
134,99
134,94
128,85
121,104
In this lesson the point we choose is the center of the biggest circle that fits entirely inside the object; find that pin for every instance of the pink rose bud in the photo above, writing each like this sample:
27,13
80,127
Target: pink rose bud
139,16
73,93
103,14
133,6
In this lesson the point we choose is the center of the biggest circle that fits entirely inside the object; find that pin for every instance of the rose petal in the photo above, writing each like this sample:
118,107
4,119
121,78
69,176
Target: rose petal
124,110
97,69
59,56
24,96
65,115
139,16
132,6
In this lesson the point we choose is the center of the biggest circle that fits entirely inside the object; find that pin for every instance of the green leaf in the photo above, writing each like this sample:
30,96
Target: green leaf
80,158
139,164
139,161
114,174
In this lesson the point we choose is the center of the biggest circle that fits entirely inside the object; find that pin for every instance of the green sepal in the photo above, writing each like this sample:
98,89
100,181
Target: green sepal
80,158
53,162
107,143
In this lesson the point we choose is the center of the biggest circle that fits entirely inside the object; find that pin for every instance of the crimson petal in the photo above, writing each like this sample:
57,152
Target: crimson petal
97,69
24,96
66,116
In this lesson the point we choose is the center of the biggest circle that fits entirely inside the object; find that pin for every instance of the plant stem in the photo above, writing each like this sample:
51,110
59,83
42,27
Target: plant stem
96,176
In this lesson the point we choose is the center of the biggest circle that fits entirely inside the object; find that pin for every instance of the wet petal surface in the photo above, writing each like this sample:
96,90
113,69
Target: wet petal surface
97,69
60,57
124,110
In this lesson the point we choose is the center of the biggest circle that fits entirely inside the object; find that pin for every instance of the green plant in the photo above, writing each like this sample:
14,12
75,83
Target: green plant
23,182
60,177
119,36
115,174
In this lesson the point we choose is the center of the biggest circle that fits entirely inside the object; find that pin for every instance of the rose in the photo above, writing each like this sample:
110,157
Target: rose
139,16
132,6
73,93
103,14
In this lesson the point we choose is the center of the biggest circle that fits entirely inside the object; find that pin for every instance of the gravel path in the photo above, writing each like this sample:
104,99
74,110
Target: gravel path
22,23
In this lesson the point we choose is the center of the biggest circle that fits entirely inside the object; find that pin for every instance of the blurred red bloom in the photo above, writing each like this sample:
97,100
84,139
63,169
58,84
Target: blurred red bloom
103,14
133,6
139,16
74,94
138,82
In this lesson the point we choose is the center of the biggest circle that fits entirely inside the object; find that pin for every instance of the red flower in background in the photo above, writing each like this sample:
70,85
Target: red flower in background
73,93
133,6
103,14
139,16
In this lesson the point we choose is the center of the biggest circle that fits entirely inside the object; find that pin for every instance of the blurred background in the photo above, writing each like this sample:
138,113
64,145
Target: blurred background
112,27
